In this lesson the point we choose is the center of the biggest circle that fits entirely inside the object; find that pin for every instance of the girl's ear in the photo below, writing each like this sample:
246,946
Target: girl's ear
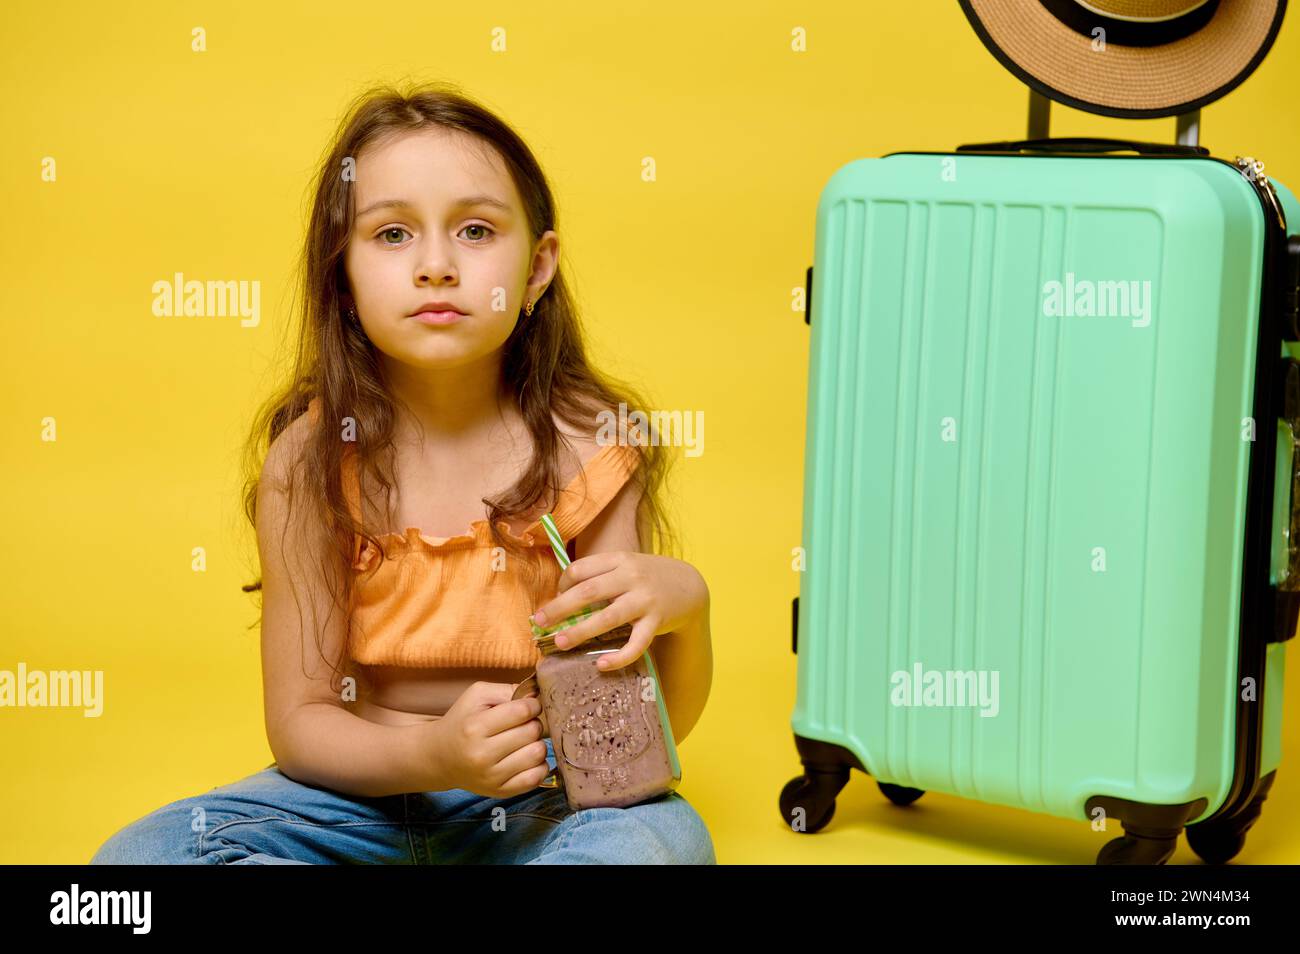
346,302
348,307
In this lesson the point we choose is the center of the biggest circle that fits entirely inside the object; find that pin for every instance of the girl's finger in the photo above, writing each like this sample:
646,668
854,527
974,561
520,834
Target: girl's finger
642,635
591,565
611,617
577,598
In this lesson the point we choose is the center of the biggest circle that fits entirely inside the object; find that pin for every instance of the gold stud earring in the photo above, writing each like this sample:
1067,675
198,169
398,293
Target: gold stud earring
528,308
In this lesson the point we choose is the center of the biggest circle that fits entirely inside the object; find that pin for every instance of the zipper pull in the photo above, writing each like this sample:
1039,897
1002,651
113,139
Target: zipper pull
1253,171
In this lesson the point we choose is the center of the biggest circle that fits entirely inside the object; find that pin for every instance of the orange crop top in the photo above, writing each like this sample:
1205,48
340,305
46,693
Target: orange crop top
439,602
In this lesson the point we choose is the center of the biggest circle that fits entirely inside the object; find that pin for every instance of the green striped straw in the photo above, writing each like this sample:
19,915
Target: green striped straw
557,541
557,545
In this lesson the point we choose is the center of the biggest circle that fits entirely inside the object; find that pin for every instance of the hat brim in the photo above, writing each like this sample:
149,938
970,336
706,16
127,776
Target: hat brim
1127,81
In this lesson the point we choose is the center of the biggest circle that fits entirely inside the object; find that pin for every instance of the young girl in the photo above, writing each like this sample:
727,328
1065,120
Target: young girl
441,368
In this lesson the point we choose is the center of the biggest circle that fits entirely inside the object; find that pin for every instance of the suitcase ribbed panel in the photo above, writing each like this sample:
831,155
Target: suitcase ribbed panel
1071,433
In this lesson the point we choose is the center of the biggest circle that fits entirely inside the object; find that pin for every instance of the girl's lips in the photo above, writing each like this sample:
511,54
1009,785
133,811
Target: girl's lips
437,317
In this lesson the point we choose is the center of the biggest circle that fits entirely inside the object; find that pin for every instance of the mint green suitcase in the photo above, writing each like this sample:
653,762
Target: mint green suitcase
1052,404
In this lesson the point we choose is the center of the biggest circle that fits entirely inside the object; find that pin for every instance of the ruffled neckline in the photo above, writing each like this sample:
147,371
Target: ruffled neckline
479,531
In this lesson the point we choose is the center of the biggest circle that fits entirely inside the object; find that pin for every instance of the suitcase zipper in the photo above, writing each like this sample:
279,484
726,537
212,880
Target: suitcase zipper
1261,601
1246,165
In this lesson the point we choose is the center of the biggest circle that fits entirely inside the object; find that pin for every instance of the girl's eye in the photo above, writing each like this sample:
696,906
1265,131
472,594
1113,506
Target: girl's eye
472,225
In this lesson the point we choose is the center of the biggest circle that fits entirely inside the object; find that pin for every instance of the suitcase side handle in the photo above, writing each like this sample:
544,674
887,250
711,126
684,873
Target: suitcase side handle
1284,570
807,296
1284,565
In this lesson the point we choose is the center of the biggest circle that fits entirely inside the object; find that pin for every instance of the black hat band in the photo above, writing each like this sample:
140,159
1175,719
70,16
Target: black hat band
1130,32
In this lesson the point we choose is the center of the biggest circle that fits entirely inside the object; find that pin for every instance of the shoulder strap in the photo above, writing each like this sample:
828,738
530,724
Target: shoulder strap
351,484
588,493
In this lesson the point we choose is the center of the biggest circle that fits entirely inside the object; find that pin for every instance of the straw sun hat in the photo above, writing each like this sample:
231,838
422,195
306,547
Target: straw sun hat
1154,58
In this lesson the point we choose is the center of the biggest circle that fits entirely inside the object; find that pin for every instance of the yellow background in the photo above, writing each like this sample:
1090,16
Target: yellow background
170,160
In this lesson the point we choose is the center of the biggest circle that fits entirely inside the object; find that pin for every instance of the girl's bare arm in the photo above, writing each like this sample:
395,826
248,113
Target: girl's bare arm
313,736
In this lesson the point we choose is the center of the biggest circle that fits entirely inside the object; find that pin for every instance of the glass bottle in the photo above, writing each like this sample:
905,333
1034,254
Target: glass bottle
609,729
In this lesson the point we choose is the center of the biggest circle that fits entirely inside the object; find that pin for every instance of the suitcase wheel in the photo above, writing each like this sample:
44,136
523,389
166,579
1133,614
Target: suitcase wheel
1153,849
808,801
1218,842
900,794
1215,844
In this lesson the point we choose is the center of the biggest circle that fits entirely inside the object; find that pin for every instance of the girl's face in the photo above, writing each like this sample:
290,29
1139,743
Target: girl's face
439,219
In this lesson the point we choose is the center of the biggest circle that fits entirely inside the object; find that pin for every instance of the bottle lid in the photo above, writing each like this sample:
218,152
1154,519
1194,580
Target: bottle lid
578,617
545,640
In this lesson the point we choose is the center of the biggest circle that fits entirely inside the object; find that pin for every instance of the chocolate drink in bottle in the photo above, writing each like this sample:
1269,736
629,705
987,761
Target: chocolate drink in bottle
613,743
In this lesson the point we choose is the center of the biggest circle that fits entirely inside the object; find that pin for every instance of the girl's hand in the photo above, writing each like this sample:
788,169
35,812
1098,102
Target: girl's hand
658,594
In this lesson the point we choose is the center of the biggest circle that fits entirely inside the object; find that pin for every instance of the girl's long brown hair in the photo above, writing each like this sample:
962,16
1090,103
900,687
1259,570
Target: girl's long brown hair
544,368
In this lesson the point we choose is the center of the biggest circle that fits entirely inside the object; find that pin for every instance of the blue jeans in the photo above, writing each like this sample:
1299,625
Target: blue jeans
270,819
